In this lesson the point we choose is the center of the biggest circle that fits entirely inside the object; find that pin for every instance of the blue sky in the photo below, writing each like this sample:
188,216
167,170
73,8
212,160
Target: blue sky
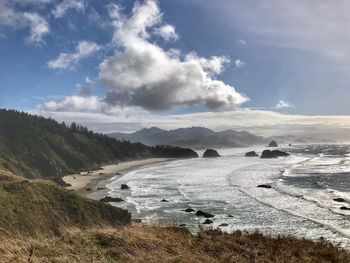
122,64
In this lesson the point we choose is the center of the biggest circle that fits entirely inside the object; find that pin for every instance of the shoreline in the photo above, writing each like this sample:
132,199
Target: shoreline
86,182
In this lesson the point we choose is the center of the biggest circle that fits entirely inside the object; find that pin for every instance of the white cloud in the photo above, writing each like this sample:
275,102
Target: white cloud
144,74
61,9
38,27
86,103
239,63
67,60
281,104
16,19
167,32
242,42
74,103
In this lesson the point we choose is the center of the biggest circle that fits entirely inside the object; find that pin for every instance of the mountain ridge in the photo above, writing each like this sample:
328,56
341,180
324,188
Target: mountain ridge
201,137
196,137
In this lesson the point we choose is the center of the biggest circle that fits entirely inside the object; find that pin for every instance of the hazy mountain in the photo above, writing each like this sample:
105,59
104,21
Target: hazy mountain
197,137
200,137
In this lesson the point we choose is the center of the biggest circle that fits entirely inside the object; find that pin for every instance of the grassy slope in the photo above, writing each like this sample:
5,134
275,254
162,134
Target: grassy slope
155,244
41,222
37,207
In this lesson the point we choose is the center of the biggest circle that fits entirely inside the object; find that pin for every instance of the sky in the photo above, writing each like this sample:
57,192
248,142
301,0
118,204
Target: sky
270,67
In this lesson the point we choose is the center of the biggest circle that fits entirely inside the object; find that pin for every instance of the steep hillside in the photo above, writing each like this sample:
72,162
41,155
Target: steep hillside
35,147
37,207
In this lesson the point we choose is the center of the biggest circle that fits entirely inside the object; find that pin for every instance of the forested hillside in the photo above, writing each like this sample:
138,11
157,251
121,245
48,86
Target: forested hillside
36,147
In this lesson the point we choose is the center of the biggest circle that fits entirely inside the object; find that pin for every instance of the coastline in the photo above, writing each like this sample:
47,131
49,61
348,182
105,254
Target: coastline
86,182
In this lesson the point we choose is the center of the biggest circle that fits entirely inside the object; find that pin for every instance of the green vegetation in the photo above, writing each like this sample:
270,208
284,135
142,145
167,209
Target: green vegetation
36,147
33,207
41,222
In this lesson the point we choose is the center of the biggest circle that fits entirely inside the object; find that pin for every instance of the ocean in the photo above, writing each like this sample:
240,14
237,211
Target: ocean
300,201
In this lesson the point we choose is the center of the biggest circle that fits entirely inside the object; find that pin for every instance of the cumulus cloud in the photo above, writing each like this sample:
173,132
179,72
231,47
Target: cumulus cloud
144,74
74,103
67,60
281,104
239,63
61,9
84,103
16,19
167,32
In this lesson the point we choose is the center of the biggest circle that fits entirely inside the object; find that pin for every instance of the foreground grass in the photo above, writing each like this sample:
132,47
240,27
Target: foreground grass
41,222
156,244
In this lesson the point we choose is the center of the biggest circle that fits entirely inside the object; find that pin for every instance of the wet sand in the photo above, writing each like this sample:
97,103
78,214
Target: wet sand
85,182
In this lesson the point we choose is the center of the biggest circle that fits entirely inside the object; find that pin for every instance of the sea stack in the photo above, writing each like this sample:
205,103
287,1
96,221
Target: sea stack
210,153
273,154
273,144
251,154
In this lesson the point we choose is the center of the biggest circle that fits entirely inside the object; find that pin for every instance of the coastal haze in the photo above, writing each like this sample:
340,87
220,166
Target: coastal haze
187,131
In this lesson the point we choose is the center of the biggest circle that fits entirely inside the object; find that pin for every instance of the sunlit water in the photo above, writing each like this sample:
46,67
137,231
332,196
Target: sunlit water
300,201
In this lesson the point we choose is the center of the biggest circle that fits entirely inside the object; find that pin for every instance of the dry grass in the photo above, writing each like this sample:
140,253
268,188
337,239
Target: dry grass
156,244
41,223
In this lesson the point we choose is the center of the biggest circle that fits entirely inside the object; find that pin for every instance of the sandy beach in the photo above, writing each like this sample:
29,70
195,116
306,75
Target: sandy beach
85,180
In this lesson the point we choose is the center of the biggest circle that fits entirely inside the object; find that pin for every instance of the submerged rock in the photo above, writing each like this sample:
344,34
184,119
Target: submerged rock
251,154
101,188
341,200
208,222
273,154
182,225
108,199
204,214
273,144
264,186
189,210
88,189
223,224
230,215
210,153
124,187
165,201
344,208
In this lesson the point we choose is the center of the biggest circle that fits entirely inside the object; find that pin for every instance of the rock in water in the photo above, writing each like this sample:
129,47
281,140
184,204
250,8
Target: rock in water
273,144
208,222
108,199
205,214
210,153
189,210
344,208
339,200
273,154
164,201
264,186
251,154
124,187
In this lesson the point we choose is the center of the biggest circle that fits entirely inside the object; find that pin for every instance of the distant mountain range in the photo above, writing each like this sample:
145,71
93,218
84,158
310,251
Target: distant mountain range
200,137
195,137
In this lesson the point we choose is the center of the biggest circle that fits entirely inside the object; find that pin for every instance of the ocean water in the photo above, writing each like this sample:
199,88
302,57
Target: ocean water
299,203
